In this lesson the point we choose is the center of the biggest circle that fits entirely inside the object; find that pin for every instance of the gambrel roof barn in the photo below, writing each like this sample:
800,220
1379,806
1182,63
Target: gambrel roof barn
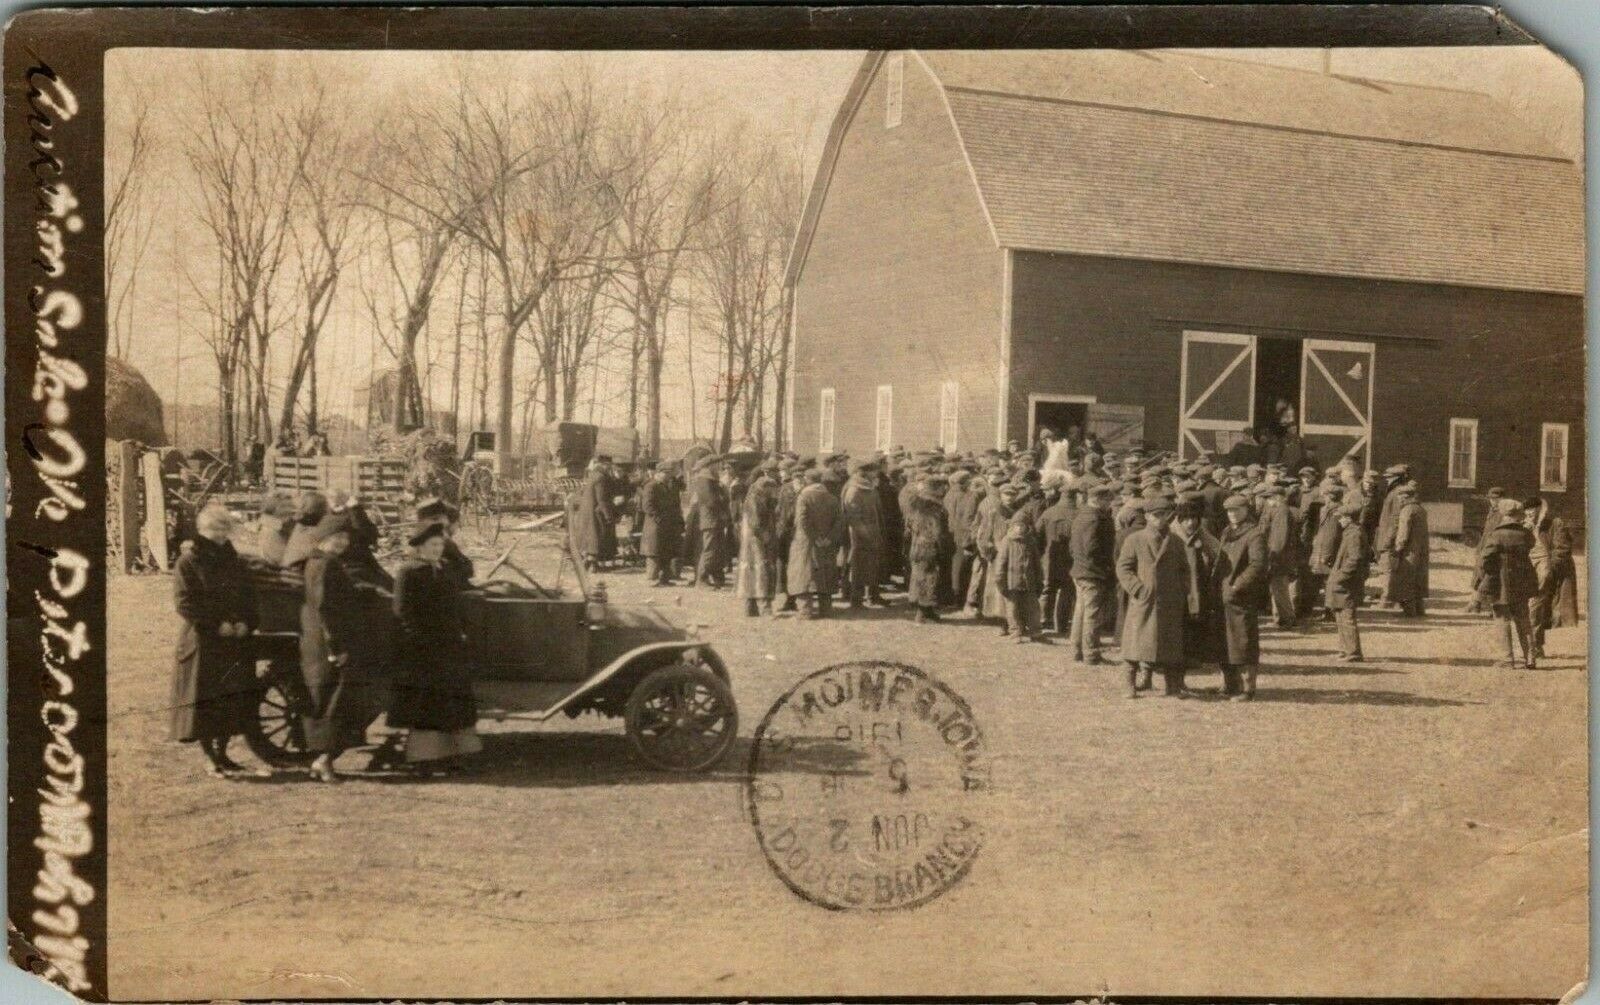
1002,239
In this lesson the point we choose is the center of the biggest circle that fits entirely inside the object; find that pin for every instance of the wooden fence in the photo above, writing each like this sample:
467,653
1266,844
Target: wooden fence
379,481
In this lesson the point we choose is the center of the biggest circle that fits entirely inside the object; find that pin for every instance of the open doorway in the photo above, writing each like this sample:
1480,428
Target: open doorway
1277,384
1058,413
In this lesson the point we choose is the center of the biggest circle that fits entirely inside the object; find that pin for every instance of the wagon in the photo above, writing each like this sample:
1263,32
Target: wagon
536,651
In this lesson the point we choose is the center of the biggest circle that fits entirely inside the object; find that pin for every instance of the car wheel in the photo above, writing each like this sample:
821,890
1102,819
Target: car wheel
277,733
681,718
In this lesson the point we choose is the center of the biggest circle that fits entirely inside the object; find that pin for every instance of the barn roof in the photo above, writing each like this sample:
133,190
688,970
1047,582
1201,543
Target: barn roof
1179,157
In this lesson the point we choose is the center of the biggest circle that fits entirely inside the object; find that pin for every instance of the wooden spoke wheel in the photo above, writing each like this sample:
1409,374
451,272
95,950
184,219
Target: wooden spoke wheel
277,735
681,718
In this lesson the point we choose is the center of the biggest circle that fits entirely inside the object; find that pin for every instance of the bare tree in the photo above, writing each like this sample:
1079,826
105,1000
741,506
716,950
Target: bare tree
325,223
247,166
664,195
130,221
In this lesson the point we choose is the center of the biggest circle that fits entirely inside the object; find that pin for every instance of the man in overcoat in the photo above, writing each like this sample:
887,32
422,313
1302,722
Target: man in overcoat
793,473
1408,555
927,535
1240,575
1556,604
1154,573
596,534
1055,532
1203,639
813,555
1279,525
1507,581
708,502
959,503
756,578
1394,476
1347,579
661,538
863,518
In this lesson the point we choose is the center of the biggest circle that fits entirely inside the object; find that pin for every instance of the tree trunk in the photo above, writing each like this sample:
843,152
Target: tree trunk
313,421
506,379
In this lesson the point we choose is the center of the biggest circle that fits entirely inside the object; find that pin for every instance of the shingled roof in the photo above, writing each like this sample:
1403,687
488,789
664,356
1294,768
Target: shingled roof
1178,157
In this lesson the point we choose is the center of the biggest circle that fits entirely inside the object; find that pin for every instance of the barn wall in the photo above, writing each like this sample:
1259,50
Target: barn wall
902,283
1512,360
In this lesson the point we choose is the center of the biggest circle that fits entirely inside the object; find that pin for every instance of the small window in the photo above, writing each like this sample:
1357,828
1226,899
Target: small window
1553,457
949,409
885,427
894,88
825,420
1463,473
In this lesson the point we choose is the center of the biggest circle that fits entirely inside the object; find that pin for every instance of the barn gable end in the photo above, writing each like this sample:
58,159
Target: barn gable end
898,279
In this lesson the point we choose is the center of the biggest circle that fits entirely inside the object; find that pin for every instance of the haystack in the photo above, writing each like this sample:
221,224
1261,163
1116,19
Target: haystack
133,409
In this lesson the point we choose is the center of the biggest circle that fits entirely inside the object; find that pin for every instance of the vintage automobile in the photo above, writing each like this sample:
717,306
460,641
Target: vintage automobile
536,651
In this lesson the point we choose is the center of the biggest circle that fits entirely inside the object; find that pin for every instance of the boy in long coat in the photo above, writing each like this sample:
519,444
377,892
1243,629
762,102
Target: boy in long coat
927,535
756,579
863,520
1240,575
662,536
1093,548
813,555
1347,579
1018,576
213,680
1055,532
1154,573
1408,558
1507,581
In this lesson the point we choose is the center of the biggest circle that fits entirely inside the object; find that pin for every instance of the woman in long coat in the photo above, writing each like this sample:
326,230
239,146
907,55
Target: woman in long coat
813,554
432,694
1152,570
662,535
1507,582
755,580
1240,575
927,531
334,642
213,679
1408,569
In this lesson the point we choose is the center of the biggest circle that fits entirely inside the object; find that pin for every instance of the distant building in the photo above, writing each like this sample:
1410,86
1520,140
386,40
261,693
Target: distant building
377,400
1172,245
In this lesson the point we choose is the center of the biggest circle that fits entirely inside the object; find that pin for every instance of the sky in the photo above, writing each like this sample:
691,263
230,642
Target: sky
795,94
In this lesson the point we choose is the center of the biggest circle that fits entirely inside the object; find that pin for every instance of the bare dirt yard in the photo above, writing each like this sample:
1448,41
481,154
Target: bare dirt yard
1413,825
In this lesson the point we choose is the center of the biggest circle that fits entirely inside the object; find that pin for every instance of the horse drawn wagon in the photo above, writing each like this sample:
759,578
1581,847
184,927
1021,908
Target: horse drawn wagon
536,651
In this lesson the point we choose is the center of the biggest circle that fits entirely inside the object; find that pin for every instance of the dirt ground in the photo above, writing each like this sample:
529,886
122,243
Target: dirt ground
1414,825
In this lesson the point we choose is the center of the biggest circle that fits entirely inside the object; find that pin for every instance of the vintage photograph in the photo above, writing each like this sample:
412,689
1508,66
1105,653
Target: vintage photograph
753,523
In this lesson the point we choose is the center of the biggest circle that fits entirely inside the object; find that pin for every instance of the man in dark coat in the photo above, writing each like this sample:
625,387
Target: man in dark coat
1383,534
1507,581
1278,523
1307,517
926,523
863,520
960,506
793,481
711,519
1153,572
813,555
755,581
894,532
1092,551
596,535
1347,580
213,681
1203,632
1055,532
1556,604
662,535
1213,493
1240,574
1408,552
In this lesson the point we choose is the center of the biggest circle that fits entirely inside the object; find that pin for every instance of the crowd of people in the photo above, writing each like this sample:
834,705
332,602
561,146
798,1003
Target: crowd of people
1172,562
357,625
1176,560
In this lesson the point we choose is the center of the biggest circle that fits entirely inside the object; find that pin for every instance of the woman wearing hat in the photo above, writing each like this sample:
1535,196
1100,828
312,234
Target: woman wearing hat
432,694
213,683
331,637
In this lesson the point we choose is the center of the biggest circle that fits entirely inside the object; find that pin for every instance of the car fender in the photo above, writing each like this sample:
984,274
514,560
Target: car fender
654,654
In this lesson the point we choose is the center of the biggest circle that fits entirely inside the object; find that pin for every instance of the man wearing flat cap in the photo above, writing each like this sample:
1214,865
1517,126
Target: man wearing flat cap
1394,476
1407,585
1154,573
863,522
709,524
596,533
1093,558
755,578
1347,580
1241,580
661,538
1277,522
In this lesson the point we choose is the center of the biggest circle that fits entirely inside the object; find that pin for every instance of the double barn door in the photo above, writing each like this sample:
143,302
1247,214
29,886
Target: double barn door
1217,394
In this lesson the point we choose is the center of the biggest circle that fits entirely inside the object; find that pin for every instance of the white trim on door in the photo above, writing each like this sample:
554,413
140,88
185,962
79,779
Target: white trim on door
1064,399
1186,408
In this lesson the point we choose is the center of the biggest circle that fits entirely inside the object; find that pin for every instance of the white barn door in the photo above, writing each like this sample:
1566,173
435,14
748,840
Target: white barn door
1216,391
1336,381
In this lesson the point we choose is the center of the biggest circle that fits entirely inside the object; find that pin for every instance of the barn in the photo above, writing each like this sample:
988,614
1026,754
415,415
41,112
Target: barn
1169,247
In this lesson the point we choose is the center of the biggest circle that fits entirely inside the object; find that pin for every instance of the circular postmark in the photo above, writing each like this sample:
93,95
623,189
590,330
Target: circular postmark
863,784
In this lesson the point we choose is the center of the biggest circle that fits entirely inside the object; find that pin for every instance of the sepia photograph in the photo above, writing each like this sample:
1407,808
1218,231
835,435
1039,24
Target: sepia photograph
752,523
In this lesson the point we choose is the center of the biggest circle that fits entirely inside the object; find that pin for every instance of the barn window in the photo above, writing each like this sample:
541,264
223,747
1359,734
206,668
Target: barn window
1553,457
885,426
1463,473
949,409
825,420
894,87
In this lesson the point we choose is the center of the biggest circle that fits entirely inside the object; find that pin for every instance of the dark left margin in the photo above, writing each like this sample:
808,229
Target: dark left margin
55,504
